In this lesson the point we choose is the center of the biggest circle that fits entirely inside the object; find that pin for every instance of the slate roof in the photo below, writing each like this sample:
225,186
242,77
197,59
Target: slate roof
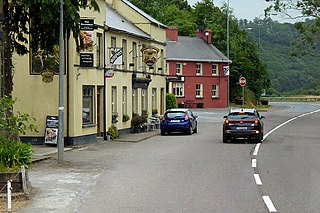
193,49
117,22
148,17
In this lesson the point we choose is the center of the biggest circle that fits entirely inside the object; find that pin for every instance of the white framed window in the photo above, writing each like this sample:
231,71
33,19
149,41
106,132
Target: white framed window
215,70
113,41
124,100
99,45
199,69
88,105
154,98
114,99
178,69
125,50
199,91
178,89
215,91
134,100
144,99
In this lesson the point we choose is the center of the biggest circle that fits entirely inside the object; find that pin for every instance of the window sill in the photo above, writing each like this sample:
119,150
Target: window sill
88,125
215,97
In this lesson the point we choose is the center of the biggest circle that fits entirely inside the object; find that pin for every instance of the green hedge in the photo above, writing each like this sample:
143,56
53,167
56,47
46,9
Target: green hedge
14,154
171,101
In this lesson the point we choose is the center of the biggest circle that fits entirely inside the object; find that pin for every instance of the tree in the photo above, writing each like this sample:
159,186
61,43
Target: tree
309,30
39,20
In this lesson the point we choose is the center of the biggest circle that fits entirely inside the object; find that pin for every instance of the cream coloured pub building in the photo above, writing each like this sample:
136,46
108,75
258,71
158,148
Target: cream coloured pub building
120,71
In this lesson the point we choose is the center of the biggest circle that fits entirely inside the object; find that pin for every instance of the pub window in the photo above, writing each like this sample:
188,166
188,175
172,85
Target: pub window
125,50
99,50
113,42
87,105
124,100
144,99
215,90
178,89
178,69
199,91
154,98
135,101
214,69
199,69
114,99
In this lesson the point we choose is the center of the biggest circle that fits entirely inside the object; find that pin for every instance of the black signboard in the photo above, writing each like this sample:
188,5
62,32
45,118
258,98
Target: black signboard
87,24
52,127
86,59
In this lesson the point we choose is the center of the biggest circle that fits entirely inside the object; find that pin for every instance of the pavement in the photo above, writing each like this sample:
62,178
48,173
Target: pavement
43,152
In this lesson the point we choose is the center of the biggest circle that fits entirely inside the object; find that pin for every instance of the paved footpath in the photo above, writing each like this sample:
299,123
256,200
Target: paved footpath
59,188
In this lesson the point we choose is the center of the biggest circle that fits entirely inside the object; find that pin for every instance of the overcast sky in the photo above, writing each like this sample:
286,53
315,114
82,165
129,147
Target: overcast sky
247,9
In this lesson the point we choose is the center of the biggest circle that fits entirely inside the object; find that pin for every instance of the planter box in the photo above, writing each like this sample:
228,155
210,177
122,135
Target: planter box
20,181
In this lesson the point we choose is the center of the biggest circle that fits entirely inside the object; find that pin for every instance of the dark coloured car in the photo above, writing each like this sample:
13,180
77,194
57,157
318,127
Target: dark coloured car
179,120
243,123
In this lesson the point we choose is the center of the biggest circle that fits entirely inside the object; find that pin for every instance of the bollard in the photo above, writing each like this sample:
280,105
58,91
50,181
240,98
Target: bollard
9,195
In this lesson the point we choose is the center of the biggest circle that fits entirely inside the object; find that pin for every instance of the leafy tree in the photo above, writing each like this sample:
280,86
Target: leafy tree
39,20
309,29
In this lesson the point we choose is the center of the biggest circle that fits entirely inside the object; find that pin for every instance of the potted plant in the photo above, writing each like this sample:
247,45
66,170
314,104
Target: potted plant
200,104
115,117
154,112
125,118
137,123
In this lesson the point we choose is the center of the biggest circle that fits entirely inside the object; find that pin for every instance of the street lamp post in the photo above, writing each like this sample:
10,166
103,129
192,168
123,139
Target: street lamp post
228,48
61,91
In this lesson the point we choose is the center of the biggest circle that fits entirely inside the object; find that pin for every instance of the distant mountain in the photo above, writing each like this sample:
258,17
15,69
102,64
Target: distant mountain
289,75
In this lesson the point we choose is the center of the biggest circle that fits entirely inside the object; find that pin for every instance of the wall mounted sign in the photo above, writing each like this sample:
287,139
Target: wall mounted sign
116,56
87,35
150,55
109,73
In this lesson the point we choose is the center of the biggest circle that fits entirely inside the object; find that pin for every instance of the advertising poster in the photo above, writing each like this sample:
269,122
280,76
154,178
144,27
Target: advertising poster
51,132
87,35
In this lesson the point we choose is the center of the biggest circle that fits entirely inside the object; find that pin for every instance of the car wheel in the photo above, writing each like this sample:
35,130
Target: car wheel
190,131
196,129
224,139
163,132
259,138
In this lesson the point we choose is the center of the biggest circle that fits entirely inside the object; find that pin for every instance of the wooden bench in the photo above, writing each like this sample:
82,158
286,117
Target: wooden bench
189,104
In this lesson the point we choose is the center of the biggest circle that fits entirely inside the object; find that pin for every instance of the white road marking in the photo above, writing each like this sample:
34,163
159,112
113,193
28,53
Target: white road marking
267,199
256,149
269,204
257,179
254,163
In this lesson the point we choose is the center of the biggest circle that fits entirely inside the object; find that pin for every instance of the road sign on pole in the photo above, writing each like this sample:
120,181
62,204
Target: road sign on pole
242,81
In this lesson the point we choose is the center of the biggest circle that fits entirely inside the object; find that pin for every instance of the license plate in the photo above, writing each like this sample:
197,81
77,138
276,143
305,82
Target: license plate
175,121
241,127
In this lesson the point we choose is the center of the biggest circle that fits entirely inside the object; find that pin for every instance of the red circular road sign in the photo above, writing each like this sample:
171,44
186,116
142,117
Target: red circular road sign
242,81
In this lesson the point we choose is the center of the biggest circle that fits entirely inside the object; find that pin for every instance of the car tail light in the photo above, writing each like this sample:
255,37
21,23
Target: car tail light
163,118
256,121
186,117
227,121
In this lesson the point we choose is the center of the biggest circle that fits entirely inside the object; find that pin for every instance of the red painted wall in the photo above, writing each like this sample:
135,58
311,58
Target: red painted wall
206,79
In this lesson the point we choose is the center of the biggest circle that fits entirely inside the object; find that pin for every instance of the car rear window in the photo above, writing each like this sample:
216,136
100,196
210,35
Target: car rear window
175,114
241,116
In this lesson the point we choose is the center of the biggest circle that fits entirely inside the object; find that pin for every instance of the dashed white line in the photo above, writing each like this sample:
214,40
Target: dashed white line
256,149
254,163
257,179
269,204
265,198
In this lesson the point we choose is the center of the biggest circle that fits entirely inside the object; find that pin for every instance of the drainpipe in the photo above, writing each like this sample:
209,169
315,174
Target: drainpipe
105,89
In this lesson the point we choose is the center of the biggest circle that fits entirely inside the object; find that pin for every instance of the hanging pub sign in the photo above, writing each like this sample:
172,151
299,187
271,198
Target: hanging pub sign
51,132
150,55
86,32
116,56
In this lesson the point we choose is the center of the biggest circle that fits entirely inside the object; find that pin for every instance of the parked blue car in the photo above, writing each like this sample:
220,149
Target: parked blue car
179,120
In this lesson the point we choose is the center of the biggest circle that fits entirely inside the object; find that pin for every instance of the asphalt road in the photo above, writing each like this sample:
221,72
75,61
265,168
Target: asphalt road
198,173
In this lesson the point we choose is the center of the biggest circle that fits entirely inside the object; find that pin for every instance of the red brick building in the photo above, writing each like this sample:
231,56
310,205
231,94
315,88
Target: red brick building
197,70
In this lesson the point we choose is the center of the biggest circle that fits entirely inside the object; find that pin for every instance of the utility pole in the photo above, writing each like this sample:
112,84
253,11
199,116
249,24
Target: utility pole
228,49
61,90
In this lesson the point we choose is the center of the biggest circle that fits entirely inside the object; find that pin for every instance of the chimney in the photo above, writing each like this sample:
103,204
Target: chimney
206,35
172,33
